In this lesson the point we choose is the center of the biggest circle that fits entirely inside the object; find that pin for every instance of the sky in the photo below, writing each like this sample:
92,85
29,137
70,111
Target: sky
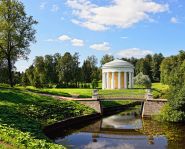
122,28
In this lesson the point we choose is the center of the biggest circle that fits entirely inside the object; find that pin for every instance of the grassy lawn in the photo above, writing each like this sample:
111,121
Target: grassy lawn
67,92
122,93
159,90
23,116
115,103
85,93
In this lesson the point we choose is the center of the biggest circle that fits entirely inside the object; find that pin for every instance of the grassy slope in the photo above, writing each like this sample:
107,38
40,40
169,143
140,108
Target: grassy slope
23,115
159,90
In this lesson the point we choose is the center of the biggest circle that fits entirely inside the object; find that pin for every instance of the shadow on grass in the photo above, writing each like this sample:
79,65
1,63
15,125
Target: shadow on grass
30,113
16,119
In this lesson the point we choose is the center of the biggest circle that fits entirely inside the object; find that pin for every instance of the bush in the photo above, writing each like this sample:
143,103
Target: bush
94,83
177,98
4,85
163,94
171,115
174,111
142,79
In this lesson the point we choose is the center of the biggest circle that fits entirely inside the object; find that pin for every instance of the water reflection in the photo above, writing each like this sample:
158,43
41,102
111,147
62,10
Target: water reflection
122,122
125,131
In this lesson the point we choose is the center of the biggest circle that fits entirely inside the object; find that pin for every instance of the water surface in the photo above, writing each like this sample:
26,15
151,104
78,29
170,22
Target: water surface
125,130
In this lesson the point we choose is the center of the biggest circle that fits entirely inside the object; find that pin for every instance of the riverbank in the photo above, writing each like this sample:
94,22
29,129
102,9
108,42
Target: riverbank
23,115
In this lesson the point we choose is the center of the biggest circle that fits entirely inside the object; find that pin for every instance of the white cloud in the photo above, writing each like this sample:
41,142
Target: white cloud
64,38
133,52
121,13
55,8
43,5
124,37
101,46
174,20
74,41
51,40
77,42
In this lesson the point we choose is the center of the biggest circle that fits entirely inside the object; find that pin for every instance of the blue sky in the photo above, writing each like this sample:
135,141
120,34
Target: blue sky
123,28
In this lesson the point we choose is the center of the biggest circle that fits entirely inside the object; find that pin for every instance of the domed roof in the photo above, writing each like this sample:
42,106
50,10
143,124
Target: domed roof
118,63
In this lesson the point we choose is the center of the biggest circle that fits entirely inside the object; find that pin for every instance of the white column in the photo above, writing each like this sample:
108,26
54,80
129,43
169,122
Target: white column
130,80
119,80
103,80
125,79
112,83
107,80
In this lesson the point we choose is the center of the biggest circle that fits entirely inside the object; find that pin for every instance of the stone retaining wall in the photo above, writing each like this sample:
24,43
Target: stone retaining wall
94,104
152,106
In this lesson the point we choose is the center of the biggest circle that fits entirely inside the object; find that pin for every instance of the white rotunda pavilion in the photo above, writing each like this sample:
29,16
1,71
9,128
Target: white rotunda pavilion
117,74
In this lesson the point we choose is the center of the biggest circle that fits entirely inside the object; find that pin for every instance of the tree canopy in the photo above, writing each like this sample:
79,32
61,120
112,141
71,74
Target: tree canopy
173,74
16,33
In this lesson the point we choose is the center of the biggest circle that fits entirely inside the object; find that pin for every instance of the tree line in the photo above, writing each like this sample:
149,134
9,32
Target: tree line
149,65
61,70
173,74
66,71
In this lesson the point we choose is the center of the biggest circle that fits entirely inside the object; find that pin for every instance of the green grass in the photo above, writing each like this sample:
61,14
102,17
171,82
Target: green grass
122,93
159,90
67,92
23,115
115,103
85,93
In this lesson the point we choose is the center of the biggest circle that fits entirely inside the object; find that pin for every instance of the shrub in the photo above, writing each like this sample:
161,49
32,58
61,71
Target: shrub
177,98
171,115
94,83
174,111
142,79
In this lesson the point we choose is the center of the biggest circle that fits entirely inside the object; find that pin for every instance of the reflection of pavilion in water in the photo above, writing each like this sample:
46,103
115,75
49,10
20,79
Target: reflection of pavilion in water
118,127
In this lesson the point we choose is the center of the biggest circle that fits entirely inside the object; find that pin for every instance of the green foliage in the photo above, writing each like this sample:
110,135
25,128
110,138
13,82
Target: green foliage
172,70
177,98
106,58
172,73
17,32
86,71
144,80
171,115
23,116
94,83
23,140
25,80
160,90
149,65
155,67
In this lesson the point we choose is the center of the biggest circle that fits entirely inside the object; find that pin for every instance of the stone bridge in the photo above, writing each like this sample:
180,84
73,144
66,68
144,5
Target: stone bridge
150,106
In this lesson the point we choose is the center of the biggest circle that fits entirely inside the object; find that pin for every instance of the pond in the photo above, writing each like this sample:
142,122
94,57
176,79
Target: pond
125,130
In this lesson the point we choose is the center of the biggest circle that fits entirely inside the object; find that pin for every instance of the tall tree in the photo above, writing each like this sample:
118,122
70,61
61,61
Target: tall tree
93,63
76,69
66,68
87,71
93,60
39,70
16,33
155,67
49,69
106,58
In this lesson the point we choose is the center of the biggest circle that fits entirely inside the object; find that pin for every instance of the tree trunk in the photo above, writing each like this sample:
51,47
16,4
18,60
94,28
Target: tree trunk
10,72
